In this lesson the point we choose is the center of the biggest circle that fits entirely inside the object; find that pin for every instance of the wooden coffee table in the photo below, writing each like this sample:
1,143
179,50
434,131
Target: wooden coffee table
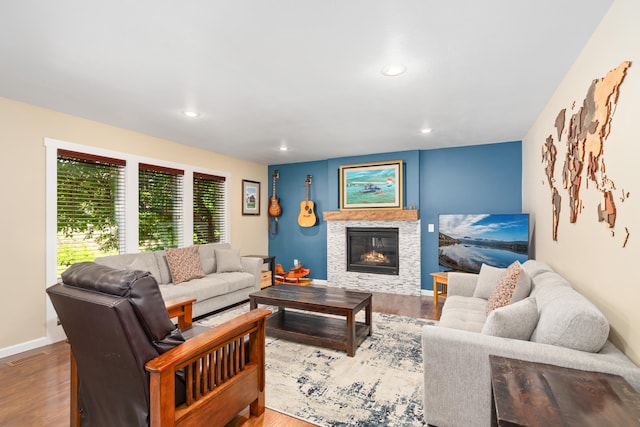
323,331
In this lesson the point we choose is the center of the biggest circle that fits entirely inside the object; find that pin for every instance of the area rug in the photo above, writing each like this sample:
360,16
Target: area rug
380,386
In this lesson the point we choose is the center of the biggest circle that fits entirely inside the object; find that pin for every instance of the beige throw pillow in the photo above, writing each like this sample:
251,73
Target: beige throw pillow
228,260
488,278
184,264
517,320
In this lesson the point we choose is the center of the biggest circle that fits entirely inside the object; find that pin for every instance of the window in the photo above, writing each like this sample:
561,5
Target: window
90,207
101,202
208,208
159,207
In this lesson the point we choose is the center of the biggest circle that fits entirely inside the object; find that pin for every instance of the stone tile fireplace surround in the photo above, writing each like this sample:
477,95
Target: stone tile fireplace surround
407,282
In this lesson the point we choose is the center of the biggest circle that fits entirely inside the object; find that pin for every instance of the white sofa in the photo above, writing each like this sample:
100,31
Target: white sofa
568,331
215,291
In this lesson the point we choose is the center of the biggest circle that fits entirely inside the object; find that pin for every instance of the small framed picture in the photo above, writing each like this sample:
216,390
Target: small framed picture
250,197
371,185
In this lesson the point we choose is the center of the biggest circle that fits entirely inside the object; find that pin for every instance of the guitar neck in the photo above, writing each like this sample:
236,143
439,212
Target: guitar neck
273,192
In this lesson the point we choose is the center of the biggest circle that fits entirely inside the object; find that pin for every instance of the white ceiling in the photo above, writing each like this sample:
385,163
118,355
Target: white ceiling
303,73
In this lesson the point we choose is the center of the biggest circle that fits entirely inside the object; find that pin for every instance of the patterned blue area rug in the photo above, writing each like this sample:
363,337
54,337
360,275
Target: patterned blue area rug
380,386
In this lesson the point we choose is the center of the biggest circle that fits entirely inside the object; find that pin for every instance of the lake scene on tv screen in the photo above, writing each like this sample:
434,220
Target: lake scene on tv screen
465,242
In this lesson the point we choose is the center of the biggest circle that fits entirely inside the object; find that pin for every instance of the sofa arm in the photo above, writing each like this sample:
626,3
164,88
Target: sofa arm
457,374
463,284
253,265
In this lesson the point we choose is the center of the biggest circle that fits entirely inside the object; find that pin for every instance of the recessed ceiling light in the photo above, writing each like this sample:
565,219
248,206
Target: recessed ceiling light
283,148
191,114
394,70
425,130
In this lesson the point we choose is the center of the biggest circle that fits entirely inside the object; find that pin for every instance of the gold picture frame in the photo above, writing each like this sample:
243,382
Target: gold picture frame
377,185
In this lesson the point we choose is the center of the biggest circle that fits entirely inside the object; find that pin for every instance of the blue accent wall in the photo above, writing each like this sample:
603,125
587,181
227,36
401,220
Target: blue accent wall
466,180
307,244
475,179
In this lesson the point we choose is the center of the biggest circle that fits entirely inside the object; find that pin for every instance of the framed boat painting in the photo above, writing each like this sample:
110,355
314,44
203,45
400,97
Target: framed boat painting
371,185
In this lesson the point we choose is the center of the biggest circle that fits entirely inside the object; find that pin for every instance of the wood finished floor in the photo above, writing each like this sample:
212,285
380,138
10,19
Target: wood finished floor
35,384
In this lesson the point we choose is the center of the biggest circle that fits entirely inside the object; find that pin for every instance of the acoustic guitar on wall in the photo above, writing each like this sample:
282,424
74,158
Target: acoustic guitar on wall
307,216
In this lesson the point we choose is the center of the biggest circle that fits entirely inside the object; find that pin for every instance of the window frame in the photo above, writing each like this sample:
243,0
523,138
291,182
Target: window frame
54,331
94,162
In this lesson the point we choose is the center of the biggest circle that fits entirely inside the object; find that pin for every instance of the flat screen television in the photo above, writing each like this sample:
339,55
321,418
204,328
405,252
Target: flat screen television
466,241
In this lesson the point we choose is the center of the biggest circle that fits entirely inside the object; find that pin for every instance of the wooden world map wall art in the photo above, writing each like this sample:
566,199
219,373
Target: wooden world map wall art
585,131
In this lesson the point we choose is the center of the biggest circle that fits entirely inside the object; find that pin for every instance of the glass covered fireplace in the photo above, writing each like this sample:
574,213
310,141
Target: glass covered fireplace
372,250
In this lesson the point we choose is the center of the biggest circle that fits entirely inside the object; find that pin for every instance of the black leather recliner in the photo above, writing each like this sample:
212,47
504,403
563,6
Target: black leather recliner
116,322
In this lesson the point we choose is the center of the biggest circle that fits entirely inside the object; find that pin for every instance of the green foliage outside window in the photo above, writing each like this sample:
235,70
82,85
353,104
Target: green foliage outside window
88,207
90,213
158,210
207,210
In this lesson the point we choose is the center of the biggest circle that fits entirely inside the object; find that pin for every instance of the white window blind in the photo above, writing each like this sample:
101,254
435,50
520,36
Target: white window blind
90,207
208,208
159,207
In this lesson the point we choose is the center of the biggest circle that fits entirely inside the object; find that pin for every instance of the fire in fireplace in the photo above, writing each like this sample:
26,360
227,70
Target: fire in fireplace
372,250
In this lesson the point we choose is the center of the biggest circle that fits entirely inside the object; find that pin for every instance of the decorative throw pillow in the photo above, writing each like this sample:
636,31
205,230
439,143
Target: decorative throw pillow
517,320
184,264
505,288
228,260
487,281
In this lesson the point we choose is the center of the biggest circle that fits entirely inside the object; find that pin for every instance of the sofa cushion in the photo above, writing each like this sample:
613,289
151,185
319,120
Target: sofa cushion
507,287
145,262
228,260
517,320
210,286
548,279
466,313
487,280
534,268
568,319
184,264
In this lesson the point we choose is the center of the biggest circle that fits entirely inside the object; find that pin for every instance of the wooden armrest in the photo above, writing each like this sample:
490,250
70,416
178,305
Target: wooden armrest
224,373
182,308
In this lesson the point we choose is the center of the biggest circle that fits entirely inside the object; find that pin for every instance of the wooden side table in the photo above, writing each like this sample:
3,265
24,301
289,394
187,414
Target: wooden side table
271,260
536,394
439,278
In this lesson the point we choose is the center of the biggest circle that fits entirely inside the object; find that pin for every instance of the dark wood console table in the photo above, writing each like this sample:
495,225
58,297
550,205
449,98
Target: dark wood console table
536,394
271,260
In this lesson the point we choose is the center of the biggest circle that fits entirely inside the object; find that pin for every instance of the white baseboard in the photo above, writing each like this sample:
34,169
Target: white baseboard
25,346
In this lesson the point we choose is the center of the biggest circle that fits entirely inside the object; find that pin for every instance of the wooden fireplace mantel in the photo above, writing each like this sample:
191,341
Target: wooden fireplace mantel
372,215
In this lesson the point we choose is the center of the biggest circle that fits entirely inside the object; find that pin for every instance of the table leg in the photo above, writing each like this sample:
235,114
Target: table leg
252,303
351,334
435,292
367,312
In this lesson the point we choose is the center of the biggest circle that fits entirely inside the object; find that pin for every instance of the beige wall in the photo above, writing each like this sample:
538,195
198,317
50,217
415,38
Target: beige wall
23,128
586,253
